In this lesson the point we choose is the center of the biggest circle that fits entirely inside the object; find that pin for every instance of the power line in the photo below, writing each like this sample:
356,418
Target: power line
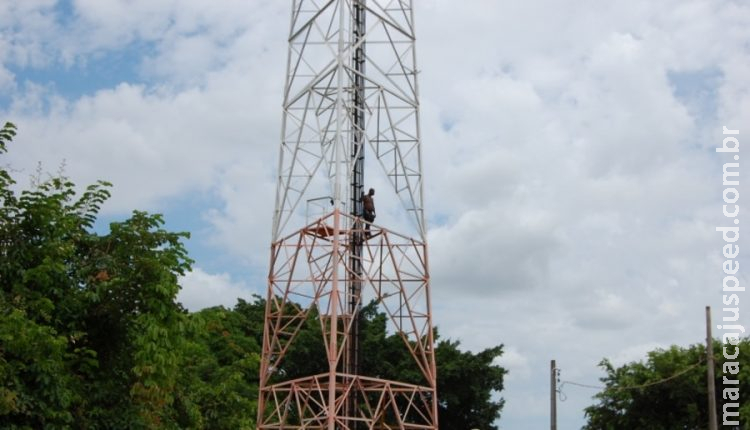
634,387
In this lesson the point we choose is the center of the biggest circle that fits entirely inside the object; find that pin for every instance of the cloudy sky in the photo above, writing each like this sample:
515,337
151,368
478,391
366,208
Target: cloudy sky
572,187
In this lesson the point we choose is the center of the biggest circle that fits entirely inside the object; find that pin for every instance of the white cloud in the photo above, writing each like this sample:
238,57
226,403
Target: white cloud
488,251
575,124
635,353
150,144
28,28
203,290
515,362
243,224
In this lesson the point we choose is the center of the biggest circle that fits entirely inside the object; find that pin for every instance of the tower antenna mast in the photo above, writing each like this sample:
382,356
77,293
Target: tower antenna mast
351,89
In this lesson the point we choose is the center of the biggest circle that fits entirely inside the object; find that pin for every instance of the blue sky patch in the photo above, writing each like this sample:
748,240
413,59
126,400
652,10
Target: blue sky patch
104,69
698,91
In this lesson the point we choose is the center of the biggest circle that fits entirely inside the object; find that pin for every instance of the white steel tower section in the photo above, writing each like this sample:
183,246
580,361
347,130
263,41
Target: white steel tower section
319,106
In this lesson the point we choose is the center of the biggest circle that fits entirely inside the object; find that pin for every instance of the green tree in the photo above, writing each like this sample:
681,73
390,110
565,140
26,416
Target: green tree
91,333
469,384
37,359
218,386
666,392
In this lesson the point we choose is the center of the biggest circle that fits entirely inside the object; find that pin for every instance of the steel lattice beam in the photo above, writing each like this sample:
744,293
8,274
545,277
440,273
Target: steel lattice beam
308,268
351,89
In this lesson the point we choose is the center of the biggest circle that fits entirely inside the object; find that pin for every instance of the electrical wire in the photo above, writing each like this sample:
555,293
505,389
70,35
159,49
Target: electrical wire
634,387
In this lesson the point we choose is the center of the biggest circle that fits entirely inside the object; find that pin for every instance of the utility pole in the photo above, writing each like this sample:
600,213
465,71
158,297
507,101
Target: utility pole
553,395
712,424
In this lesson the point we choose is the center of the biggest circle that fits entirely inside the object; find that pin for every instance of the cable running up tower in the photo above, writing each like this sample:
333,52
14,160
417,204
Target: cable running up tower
351,363
351,91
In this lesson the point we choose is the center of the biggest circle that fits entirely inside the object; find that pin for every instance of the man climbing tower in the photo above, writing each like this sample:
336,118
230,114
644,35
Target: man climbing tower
368,209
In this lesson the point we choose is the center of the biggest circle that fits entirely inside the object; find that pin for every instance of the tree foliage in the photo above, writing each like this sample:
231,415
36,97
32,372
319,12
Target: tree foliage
468,383
91,330
218,384
660,394
92,336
